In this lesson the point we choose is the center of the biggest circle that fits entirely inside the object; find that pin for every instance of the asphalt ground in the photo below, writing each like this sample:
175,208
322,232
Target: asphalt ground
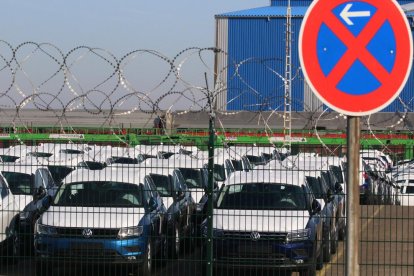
386,248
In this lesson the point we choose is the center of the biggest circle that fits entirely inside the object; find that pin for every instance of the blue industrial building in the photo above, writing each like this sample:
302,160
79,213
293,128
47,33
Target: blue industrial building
252,65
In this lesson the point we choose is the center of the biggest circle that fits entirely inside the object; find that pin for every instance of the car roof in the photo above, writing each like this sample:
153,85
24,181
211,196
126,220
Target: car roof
133,176
20,168
184,162
293,177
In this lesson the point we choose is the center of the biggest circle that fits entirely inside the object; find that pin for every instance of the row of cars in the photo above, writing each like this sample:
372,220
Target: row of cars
270,209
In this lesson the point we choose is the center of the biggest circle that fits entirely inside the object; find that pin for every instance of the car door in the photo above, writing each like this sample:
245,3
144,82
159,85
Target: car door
7,208
43,178
183,198
154,203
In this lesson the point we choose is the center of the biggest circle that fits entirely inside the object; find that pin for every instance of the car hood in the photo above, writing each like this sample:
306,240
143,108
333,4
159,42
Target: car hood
260,220
92,217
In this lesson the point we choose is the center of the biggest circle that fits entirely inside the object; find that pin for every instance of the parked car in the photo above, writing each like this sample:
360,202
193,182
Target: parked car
180,205
9,213
103,216
268,220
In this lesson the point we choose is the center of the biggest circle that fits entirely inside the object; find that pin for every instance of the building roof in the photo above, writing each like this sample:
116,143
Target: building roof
272,11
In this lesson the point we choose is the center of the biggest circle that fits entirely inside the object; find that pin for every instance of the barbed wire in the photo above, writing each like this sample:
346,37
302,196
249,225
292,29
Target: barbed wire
42,77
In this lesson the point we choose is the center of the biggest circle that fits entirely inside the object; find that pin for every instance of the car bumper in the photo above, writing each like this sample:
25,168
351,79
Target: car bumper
263,254
82,250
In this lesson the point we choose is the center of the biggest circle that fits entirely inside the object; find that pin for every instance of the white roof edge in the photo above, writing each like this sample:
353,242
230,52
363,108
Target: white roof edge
408,7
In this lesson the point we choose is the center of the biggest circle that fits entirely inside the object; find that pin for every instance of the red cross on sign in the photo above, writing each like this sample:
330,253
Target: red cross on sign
356,55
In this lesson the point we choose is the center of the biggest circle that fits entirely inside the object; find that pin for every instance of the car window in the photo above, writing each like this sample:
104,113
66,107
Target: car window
336,170
192,177
4,191
262,196
99,194
409,190
162,184
219,172
19,183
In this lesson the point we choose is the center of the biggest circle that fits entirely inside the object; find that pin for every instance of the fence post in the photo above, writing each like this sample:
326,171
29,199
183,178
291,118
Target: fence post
211,141
352,197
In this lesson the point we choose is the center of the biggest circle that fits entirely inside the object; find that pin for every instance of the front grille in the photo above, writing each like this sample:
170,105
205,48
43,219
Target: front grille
266,236
96,232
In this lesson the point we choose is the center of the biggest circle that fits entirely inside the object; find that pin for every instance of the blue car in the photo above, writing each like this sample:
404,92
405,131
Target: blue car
102,216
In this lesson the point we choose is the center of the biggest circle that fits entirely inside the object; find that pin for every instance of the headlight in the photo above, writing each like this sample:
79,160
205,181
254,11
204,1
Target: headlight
298,235
129,232
45,229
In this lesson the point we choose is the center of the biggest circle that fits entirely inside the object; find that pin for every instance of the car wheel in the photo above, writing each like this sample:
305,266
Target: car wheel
327,248
174,242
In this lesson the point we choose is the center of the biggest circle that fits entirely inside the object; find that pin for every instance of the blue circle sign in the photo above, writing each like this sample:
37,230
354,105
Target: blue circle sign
356,55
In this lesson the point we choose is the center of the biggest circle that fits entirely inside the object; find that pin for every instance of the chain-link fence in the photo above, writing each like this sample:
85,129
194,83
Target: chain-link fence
137,175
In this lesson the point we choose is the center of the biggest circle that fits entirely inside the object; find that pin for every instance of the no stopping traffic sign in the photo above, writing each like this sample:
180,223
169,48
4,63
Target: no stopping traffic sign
356,55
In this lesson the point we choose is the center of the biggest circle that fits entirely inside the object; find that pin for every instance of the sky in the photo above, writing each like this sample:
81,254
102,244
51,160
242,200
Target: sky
116,26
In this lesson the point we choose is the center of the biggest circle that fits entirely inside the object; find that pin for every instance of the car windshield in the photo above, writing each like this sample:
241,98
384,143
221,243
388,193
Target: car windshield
122,160
237,164
9,158
256,160
59,172
192,177
39,154
19,183
99,194
162,183
262,196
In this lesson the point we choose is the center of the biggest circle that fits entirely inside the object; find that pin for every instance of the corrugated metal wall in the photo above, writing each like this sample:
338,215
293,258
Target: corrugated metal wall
292,2
256,85
221,43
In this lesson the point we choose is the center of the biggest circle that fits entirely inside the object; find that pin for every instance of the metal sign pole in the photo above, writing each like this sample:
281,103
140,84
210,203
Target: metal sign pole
352,197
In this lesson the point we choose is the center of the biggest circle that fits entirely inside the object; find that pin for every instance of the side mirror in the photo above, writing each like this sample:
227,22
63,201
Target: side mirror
338,187
316,207
152,204
39,193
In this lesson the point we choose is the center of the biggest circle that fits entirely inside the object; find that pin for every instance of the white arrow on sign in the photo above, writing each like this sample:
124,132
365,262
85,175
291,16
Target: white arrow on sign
346,14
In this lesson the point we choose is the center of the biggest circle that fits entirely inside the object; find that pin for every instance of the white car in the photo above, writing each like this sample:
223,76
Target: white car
8,213
273,214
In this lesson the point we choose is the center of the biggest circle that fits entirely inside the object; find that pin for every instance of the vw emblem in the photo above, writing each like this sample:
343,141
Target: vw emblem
254,236
87,233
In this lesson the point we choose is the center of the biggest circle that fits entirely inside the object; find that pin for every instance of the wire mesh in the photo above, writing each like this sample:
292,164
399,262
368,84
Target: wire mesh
112,177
